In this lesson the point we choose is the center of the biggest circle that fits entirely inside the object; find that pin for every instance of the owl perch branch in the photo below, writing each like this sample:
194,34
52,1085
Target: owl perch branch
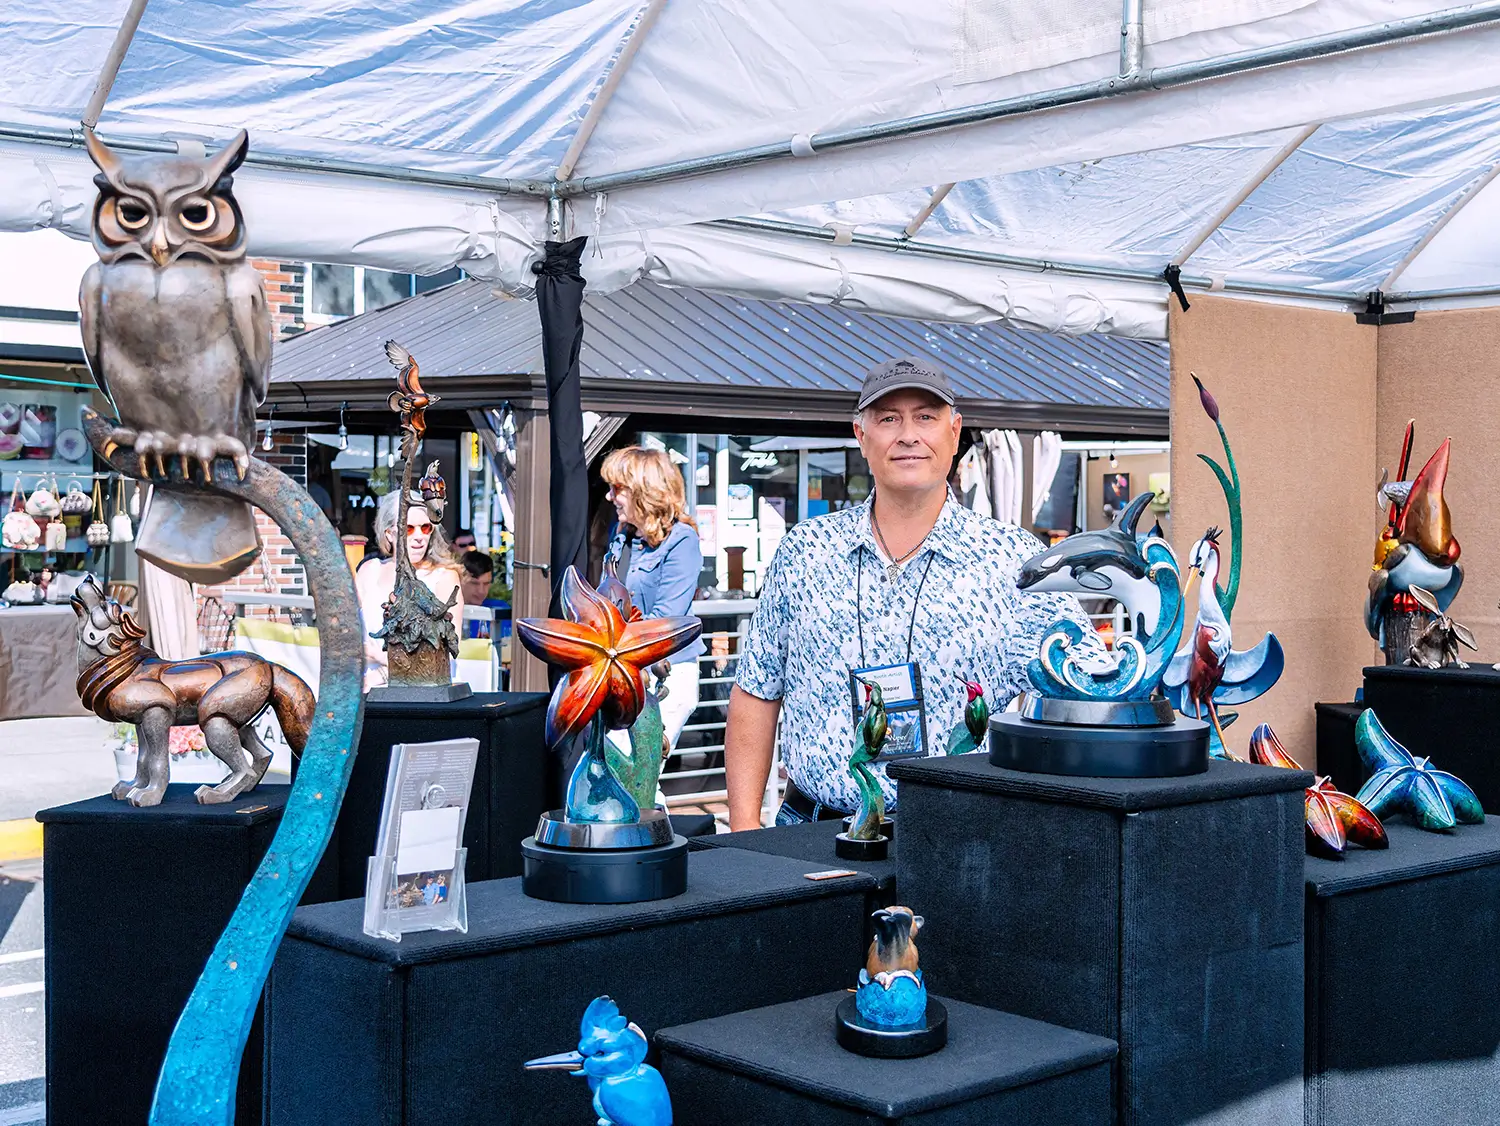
198,1076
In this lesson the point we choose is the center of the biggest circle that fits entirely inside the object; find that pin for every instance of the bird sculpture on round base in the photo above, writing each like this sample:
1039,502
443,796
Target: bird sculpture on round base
611,1055
864,839
891,993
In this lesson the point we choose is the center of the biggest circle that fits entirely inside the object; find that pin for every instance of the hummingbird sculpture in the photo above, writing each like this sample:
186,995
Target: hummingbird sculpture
873,727
611,1055
1209,672
969,734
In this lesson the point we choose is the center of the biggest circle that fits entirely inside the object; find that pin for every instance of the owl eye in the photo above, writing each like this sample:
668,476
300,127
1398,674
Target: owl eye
133,215
196,215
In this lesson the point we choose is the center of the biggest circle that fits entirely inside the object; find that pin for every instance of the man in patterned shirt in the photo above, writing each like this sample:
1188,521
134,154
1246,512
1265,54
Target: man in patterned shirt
908,575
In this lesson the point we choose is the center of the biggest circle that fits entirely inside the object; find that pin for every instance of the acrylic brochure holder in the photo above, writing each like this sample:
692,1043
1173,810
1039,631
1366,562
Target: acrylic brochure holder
397,904
415,880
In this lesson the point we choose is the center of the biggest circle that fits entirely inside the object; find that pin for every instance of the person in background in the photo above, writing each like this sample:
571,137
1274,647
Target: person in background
463,540
655,552
479,575
430,556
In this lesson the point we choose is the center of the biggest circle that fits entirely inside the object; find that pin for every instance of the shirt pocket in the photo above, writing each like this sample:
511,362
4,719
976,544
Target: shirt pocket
645,574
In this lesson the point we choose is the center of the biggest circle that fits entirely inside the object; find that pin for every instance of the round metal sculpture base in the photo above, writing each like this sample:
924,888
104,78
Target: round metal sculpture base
847,848
855,1034
570,875
1097,713
653,830
887,826
1017,743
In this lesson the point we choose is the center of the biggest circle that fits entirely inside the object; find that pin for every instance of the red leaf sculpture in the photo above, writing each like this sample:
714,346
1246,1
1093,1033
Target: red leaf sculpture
605,656
1333,817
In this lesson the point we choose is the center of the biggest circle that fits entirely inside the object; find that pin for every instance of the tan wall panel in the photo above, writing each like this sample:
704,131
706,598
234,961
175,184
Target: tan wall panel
1443,370
1296,390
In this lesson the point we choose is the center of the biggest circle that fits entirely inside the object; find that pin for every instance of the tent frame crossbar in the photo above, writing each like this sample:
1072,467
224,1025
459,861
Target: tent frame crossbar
1031,265
1157,78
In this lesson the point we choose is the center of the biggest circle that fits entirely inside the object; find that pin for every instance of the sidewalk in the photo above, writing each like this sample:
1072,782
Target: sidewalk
47,762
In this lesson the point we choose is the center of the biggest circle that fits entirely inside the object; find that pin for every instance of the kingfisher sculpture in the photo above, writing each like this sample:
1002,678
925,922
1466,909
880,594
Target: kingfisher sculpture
891,1013
1209,672
1333,819
611,1055
1416,549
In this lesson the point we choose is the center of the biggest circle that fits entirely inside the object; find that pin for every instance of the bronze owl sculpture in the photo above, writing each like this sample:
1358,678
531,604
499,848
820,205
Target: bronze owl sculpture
177,331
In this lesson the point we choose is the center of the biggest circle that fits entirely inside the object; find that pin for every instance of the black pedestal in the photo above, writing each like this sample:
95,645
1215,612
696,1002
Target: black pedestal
1403,980
581,875
1114,752
1162,913
781,1064
1447,715
812,842
434,1030
1337,758
509,780
136,899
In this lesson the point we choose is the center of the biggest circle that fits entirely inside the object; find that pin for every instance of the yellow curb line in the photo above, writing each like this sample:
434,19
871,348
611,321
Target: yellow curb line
20,839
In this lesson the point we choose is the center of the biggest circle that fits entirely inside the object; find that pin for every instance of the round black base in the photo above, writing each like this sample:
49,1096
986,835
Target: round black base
1017,743
855,1034
887,826
576,875
846,848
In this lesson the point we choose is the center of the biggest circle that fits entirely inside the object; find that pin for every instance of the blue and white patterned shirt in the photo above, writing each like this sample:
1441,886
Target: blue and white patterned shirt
972,624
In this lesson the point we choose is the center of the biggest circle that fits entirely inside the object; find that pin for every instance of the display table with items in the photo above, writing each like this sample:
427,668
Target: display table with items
436,1029
38,662
1446,713
781,1064
1403,980
509,782
812,842
1163,913
136,899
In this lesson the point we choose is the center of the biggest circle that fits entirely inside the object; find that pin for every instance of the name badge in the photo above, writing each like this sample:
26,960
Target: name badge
906,714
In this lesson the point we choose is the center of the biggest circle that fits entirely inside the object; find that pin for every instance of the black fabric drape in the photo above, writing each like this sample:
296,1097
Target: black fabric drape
559,299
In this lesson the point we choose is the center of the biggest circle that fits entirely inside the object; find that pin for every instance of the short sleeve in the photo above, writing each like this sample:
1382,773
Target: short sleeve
762,664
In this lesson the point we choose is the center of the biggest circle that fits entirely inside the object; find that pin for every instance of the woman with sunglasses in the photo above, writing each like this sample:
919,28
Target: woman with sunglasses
430,555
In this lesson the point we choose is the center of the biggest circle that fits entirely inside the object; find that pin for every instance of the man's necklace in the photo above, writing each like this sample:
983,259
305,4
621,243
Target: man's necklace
893,568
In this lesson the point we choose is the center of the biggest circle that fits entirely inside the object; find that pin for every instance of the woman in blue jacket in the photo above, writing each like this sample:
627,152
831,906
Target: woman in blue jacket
657,554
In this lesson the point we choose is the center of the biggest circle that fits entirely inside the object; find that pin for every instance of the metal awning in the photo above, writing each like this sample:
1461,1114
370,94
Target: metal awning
651,349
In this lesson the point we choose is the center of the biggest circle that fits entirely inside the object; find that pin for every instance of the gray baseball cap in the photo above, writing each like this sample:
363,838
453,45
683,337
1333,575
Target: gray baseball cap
907,373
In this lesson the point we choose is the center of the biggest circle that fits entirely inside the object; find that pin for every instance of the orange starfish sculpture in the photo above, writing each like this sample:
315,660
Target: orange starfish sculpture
605,656
1333,817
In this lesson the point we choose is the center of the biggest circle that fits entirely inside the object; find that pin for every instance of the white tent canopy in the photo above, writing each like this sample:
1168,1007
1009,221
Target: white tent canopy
1298,149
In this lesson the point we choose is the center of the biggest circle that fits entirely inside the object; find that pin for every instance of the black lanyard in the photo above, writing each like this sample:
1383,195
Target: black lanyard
859,621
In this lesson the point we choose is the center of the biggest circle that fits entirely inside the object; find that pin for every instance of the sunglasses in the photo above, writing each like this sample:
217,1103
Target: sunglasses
425,529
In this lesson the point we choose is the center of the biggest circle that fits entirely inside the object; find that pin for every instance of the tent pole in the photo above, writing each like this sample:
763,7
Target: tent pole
1464,199
1158,78
939,194
1132,38
607,90
112,61
1232,204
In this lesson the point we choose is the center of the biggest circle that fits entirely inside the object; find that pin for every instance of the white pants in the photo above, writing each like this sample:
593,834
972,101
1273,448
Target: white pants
681,701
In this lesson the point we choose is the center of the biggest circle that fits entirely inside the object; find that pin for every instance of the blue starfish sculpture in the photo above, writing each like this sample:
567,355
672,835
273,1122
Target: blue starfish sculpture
1402,783
612,1056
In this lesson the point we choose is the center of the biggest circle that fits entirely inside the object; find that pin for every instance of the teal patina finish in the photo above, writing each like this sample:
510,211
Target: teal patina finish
197,1082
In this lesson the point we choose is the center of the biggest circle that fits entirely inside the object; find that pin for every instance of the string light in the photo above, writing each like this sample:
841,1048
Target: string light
270,423
1114,462
343,430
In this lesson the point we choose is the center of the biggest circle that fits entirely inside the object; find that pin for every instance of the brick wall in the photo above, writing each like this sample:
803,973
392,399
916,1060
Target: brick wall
286,293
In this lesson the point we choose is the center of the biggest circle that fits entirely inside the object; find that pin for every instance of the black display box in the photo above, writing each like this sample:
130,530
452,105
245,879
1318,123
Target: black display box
434,1030
1447,715
509,781
812,842
1164,914
136,900
1337,757
781,1064
1403,980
